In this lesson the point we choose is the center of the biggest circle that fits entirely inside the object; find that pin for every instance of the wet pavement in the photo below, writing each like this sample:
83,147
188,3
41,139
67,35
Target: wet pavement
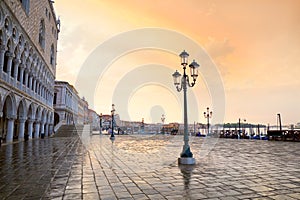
144,167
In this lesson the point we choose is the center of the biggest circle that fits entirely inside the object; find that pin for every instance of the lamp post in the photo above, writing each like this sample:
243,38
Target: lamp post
186,157
240,131
100,120
163,121
207,115
112,136
142,126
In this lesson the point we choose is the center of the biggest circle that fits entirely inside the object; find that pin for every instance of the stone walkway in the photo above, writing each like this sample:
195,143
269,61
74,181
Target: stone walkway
144,167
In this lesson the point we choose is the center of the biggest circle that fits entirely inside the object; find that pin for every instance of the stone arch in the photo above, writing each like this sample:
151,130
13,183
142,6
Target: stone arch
7,55
37,123
20,123
30,121
56,118
26,48
38,113
2,39
31,112
23,57
9,116
17,52
21,41
44,116
44,128
51,118
22,110
8,25
13,64
1,17
15,35
9,106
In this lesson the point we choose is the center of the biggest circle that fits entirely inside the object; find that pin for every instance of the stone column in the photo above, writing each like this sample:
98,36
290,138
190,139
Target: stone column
10,130
37,129
26,79
34,85
21,129
9,62
30,126
17,62
37,87
30,82
2,52
21,74
42,129
46,130
50,129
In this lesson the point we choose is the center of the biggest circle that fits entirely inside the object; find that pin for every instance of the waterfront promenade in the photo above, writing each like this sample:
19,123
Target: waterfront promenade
143,167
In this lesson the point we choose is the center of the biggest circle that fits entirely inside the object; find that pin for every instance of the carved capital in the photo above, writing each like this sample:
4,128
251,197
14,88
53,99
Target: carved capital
11,117
9,54
17,61
2,48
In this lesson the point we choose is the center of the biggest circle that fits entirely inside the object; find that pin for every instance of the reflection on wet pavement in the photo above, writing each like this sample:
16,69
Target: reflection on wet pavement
142,167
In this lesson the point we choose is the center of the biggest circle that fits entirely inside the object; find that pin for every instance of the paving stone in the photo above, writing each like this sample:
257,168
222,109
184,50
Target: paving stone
129,169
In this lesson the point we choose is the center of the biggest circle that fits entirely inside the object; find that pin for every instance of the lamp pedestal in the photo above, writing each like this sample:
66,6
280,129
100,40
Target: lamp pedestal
186,161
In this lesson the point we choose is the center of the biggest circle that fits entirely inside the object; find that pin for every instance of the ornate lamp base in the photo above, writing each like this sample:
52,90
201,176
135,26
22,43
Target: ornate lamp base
186,161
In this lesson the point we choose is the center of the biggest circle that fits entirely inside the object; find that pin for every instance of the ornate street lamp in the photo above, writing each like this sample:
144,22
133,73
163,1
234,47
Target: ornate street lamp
186,157
112,136
100,120
207,115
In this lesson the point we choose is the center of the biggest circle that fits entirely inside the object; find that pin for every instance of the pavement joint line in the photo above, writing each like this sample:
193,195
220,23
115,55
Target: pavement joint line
65,163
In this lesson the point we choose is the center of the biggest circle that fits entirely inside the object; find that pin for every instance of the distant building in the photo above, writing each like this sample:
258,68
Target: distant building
28,46
65,103
83,112
94,120
68,106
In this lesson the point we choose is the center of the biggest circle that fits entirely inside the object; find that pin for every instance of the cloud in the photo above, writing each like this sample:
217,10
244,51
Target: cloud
218,48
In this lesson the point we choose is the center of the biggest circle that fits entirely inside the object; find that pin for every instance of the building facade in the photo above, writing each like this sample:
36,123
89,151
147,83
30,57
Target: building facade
65,103
94,120
28,41
83,113
69,108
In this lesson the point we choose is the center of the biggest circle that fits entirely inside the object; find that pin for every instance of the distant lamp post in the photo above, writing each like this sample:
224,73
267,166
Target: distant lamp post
143,126
240,131
163,122
100,119
112,136
186,157
207,115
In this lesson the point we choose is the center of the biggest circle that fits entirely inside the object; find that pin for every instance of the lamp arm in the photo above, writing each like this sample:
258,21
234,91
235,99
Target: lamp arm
188,82
179,88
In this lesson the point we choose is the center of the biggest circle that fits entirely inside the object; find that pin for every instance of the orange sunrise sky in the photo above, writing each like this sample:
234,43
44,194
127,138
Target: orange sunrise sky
254,45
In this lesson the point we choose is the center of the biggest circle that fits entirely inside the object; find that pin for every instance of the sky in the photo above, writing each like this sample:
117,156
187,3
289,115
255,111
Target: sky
254,46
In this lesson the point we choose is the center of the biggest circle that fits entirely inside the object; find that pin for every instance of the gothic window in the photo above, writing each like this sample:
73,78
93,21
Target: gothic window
6,24
14,34
5,61
6,56
25,5
52,60
12,70
54,99
42,34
